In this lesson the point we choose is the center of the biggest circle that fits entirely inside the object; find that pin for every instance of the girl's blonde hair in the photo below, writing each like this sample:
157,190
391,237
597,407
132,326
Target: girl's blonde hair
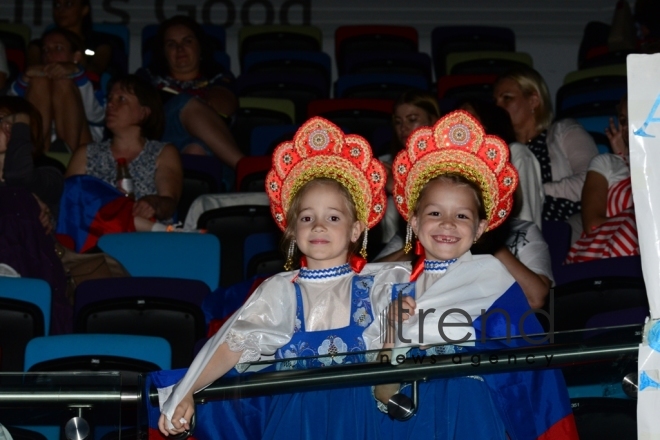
531,83
294,211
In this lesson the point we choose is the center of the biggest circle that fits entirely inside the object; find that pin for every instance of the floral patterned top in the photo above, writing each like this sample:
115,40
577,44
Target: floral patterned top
333,345
101,164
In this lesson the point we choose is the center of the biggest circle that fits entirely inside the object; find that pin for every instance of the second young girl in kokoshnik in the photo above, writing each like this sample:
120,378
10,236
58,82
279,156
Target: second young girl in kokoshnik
452,183
325,190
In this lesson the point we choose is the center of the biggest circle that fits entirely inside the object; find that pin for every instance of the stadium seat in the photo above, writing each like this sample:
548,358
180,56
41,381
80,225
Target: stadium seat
169,308
454,88
378,86
485,63
268,38
166,254
359,116
25,306
264,139
401,63
299,88
296,62
451,39
257,112
244,231
373,38
201,175
611,70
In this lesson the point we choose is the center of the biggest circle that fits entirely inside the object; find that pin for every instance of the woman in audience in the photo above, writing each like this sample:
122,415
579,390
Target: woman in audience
60,89
135,119
530,194
413,109
76,16
608,215
20,143
563,148
195,89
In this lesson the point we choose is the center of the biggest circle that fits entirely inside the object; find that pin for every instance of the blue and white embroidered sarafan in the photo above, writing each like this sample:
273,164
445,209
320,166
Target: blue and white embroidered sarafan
292,314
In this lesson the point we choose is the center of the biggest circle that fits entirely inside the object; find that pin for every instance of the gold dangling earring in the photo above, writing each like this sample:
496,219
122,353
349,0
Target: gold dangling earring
409,233
289,259
363,251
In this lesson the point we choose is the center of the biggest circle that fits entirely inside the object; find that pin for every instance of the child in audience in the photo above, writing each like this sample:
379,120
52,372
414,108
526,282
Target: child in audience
325,190
608,215
452,183
60,89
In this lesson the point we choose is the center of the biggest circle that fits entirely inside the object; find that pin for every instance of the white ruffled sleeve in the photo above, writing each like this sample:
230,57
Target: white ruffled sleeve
385,276
264,324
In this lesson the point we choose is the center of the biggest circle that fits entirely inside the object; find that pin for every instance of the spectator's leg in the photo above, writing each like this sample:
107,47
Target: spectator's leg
69,114
39,93
202,122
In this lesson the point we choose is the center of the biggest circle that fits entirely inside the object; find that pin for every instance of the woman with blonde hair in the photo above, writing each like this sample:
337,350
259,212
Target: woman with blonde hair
563,148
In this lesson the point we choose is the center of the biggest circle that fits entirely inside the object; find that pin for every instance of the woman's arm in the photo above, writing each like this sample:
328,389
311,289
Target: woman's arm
222,100
594,201
578,147
78,162
169,184
534,286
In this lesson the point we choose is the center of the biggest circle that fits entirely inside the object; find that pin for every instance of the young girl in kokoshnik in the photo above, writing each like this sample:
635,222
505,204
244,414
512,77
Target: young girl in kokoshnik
325,191
452,183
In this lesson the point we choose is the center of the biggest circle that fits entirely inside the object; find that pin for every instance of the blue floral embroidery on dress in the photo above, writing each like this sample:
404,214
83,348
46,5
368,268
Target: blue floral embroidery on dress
361,301
324,348
330,349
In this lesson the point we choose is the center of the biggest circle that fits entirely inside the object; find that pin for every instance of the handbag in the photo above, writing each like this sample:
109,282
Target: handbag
83,267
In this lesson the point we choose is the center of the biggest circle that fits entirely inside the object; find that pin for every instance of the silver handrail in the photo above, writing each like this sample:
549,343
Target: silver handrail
562,355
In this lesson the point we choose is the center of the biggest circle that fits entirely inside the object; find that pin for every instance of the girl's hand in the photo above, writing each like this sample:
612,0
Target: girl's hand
60,70
180,419
615,136
407,304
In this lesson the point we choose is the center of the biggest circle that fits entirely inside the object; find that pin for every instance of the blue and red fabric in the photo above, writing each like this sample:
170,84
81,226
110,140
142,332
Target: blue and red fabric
91,208
531,404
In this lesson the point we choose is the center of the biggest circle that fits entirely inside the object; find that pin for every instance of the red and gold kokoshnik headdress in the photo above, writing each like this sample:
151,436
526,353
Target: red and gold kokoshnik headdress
456,144
320,149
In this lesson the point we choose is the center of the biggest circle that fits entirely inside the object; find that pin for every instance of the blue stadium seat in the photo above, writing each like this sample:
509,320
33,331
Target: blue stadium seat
378,86
166,254
154,350
25,307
